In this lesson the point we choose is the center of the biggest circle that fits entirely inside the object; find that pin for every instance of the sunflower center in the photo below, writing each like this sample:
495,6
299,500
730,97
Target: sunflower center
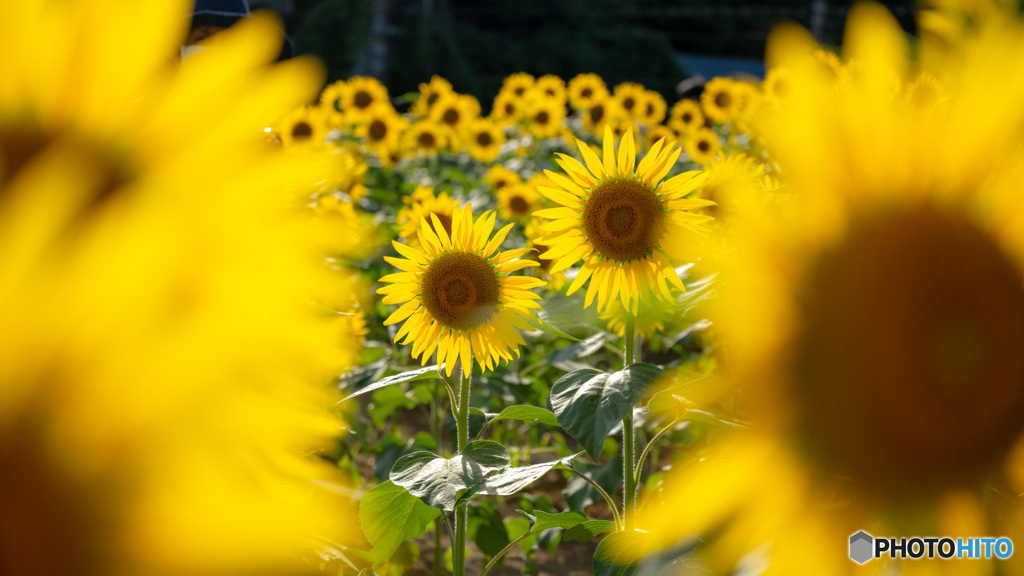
460,290
722,100
703,146
484,139
450,117
378,130
907,370
362,99
432,99
426,139
586,92
518,205
597,113
302,131
628,103
687,117
510,108
542,117
623,220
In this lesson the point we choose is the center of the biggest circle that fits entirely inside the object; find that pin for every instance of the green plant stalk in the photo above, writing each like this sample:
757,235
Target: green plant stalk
650,445
607,497
502,553
436,416
628,447
462,510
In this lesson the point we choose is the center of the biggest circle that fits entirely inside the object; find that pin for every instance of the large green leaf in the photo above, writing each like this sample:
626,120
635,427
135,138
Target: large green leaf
528,414
390,515
428,372
438,481
589,403
512,480
540,521
587,531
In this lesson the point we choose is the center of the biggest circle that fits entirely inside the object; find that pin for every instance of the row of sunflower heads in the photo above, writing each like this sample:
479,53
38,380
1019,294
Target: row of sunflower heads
875,320
162,374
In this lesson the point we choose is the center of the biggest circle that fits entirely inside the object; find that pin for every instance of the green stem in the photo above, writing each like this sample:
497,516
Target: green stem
607,497
628,447
647,449
501,554
461,510
436,418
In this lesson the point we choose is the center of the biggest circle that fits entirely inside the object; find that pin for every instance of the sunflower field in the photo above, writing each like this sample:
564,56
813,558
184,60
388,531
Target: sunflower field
250,324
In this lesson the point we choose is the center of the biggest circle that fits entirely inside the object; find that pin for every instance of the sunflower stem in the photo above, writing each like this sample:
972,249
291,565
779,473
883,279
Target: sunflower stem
436,418
628,443
461,510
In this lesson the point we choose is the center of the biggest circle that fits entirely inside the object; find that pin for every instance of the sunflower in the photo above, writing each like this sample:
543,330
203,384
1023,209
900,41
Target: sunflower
518,85
544,117
517,202
508,109
585,90
304,126
685,116
649,320
424,205
876,322
776,84
551,87
345,229
720,99
455,295
484,139
702,145
733,181
652,109
430,93
498,177
150,422
332,103
380,127
362,93
455,111
660,132
426,137
600,114
630,98
619,219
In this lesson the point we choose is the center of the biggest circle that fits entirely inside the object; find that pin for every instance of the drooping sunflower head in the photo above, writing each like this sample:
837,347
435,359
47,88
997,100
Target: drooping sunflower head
619,219
517,202
585,90
702,145
874,318
686,116
456,297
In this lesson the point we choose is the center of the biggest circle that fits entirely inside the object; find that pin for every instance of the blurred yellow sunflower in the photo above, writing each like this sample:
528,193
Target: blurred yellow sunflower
332,103
518,85
630,97
876,321
649,319
585,90
456,296
652,109
619,219
544,117
430,93
484,139
702,145
420,206
425,137
685,116
660,132
361,95
455,111
380,127
508,109
150,422
517,202
551,87
734,180
720,99
776,84
345,229
498,177
599,114
303,126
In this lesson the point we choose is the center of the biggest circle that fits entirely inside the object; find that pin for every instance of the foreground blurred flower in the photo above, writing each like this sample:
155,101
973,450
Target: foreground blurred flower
455,295
876,320
160,372
619,218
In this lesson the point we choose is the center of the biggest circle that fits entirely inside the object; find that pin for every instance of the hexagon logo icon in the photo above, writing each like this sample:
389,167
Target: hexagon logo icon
861,545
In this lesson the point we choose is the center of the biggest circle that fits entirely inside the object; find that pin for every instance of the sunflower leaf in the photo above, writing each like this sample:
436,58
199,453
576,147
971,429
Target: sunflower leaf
389,515
527,414
617,555
512,480
539,324
540,521
589,403
439,481
587,531
421,374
